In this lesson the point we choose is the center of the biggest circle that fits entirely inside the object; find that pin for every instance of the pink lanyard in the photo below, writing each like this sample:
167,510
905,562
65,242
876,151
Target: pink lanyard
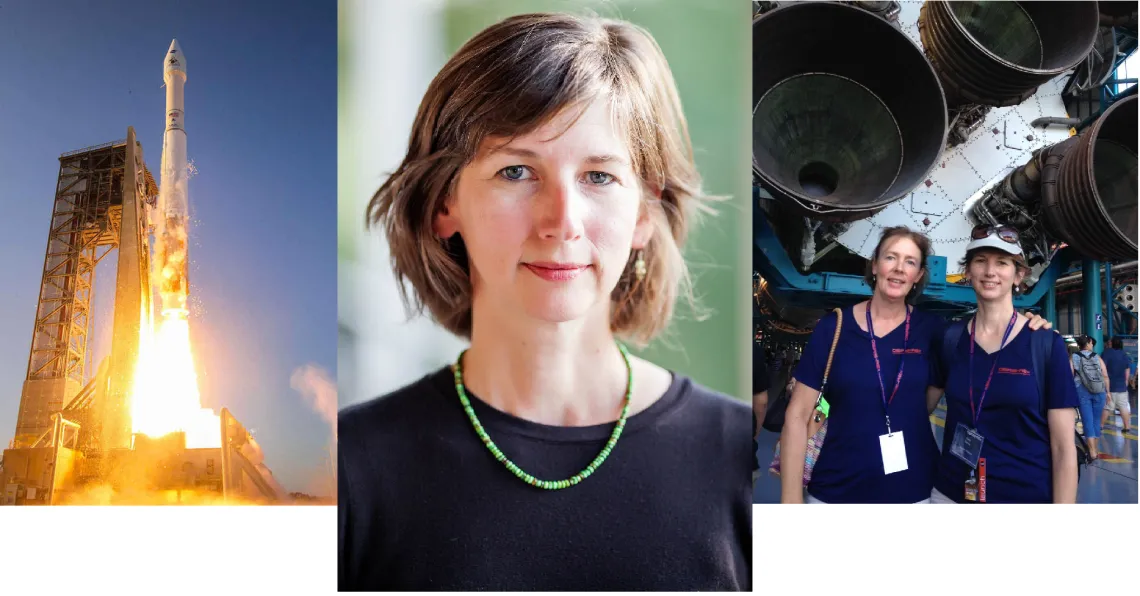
879,368
975,413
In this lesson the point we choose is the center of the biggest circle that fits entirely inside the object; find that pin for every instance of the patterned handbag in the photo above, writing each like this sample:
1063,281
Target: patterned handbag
817,424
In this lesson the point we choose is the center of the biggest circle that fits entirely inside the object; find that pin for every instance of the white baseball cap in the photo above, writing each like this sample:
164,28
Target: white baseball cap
993,240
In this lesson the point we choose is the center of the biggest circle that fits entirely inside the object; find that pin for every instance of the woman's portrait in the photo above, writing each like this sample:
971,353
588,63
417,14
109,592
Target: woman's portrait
540,214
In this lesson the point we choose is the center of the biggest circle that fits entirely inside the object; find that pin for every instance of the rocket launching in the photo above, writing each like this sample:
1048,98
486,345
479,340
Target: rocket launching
173,191
166,397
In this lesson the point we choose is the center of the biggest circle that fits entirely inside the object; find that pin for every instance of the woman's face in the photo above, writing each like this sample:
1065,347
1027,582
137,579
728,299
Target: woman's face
549,219
898,268
993,274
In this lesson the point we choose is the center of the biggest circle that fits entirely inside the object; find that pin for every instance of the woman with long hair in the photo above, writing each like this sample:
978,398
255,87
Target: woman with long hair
1010,398
879,446
540,211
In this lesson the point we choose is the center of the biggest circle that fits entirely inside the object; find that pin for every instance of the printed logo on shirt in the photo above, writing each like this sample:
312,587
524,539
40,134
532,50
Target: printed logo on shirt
898,351
1013,371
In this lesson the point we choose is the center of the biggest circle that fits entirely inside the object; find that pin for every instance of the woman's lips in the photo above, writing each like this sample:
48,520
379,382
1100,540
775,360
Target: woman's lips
555,271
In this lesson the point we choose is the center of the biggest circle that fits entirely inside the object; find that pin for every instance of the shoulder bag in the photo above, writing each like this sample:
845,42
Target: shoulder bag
817,424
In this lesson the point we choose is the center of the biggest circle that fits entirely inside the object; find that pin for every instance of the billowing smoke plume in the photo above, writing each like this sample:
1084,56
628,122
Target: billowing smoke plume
319,391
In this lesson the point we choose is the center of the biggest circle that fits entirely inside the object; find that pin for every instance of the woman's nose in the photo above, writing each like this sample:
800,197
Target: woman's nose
559,210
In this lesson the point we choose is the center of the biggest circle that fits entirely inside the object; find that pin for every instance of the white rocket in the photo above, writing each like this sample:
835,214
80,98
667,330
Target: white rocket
173,193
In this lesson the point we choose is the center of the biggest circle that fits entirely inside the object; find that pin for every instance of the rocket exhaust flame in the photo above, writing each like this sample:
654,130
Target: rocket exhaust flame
166,395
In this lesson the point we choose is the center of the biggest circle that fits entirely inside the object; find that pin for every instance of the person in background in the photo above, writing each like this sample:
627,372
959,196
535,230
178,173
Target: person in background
1132,381
1092,387
1004,441
1117,365
759,402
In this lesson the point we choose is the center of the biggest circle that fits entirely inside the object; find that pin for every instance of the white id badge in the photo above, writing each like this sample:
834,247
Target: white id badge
967,445
894,452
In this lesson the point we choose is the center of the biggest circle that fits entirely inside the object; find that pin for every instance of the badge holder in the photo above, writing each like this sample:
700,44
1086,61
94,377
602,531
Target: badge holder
893,449
967,446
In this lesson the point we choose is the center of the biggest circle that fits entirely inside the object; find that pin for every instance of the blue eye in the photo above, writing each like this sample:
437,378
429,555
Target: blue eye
514,173
599,178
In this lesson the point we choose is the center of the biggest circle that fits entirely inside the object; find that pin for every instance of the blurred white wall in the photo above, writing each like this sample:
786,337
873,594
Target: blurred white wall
389,51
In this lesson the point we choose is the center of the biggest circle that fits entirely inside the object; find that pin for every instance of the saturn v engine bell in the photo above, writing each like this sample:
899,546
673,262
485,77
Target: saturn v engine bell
998,53
837,134
855,111
1082,191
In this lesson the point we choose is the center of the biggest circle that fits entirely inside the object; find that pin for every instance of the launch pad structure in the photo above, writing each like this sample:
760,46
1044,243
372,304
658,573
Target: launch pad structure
73,428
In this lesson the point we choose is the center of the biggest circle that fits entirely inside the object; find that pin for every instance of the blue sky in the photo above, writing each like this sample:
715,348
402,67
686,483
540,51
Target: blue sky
261,128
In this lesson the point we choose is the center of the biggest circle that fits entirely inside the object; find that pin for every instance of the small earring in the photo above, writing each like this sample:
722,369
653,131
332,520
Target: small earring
639,268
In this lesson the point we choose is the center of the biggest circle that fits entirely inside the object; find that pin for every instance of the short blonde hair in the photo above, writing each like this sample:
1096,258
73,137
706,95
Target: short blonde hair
509,80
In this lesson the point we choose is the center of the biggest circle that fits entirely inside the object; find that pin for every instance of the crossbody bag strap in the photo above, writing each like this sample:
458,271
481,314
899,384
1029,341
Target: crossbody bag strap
830,354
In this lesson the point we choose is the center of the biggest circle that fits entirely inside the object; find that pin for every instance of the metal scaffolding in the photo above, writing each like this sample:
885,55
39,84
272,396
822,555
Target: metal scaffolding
86,226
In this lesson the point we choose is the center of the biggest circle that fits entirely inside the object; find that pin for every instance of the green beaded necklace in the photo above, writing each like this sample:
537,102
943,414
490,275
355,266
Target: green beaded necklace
517,471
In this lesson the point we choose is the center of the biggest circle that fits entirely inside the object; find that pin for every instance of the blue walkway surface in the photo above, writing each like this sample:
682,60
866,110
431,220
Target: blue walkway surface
1111,480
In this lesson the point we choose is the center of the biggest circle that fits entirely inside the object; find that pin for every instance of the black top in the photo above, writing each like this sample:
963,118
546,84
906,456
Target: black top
759,371
759,385
423,505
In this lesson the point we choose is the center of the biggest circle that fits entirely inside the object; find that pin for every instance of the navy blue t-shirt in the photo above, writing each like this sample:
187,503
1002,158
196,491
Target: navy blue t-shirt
1116,362
850,465
1019,462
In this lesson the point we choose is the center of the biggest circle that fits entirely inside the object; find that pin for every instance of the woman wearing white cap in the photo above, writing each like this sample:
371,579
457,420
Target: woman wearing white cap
883,356
1010,398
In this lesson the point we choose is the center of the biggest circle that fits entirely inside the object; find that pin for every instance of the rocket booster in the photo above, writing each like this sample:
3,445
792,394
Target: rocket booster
173,191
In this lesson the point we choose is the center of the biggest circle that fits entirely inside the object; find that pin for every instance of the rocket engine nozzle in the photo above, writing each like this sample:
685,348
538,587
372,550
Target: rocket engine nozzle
1089,188
1086,186
998,53
838,135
